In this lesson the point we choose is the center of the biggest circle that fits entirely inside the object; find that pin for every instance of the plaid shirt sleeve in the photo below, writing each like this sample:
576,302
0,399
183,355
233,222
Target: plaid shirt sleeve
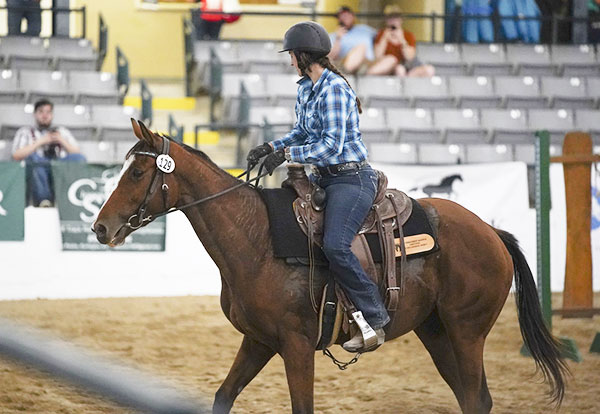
295,137
334,111
23,138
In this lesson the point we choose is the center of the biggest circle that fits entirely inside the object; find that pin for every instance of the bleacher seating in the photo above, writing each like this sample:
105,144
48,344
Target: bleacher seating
484,104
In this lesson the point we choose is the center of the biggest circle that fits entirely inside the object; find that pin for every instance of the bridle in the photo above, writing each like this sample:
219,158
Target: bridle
160,172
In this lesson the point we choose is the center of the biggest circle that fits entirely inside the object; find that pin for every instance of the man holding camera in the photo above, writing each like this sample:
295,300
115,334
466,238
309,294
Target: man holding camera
40,144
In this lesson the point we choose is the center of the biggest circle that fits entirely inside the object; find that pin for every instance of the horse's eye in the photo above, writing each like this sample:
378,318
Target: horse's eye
137,173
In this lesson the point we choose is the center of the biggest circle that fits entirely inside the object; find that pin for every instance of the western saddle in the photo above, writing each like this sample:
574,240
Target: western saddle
391,209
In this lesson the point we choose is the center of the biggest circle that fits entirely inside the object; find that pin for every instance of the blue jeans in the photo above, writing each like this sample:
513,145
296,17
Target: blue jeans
350,195
33,16
39,176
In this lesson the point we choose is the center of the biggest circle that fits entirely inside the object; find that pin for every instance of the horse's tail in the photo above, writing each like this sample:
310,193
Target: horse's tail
544,348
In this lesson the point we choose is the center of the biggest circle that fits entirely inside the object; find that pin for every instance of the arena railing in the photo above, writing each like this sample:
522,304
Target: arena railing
126,386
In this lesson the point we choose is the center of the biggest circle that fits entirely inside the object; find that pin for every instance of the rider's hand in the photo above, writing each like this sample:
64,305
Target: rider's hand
274,160
257,153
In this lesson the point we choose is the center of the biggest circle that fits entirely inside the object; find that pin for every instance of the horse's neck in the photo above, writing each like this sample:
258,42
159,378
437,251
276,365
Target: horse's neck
234,227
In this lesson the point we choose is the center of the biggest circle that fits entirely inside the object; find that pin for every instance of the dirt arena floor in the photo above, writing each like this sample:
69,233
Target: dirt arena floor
189,341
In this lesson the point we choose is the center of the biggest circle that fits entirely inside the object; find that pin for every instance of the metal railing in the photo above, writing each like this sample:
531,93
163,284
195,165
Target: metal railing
126,386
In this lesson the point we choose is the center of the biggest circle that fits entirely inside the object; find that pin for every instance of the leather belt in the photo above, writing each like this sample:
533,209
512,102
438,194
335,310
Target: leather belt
343,167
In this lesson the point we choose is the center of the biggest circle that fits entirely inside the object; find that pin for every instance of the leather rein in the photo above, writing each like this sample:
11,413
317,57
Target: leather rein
165,165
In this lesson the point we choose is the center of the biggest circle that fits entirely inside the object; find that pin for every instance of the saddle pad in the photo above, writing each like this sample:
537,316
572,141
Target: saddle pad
289,242
288,239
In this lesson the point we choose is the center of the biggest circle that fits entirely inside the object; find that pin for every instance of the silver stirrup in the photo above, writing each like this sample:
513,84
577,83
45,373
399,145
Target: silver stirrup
368,334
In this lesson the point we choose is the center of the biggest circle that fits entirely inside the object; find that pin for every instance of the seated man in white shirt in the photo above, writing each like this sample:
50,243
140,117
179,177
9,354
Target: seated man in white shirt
40,144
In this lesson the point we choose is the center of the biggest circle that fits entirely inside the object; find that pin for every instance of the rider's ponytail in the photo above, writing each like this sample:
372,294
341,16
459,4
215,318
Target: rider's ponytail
305,59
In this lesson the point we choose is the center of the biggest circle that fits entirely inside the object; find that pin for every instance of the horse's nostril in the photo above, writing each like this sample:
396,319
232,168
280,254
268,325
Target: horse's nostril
100,230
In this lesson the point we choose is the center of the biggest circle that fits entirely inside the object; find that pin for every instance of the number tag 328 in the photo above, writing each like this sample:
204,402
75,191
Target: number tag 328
165,163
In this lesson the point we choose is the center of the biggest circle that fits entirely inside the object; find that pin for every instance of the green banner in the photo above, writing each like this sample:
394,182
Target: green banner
12,201
80,190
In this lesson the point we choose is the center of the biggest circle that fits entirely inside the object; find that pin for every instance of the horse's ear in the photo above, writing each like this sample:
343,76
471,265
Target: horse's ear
136,129
152,139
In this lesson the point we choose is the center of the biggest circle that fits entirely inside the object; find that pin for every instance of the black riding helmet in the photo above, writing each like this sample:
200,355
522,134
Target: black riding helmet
307,37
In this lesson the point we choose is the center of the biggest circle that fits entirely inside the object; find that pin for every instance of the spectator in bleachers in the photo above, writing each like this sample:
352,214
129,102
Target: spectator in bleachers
352,44
40,144
24,9
208,26
395,49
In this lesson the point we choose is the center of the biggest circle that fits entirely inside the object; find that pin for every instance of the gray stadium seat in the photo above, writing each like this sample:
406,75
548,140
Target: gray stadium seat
441,153
576,60
263,57
525,153
531,60
413,125
98,152
46,84
373,126
446,58
72,54
113,122
520,92
557,121
93,88
486,59
474,91
13,117
484,153
9,88
282,89
588,120
77,119
506,126
273,123
393,153
254,85
566,92
5,150
382,92
24,52
428,92
593,88
227,53
459,126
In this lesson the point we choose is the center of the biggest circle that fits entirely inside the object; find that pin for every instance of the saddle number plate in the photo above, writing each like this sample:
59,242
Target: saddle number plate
415,244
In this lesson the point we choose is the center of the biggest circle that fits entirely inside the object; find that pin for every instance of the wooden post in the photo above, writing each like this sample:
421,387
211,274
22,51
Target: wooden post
577,159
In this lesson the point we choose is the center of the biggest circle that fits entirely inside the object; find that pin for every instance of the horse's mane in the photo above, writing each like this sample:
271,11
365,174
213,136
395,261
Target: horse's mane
141,145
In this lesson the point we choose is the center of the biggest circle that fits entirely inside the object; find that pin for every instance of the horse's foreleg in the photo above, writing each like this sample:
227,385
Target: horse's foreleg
299,358
251,358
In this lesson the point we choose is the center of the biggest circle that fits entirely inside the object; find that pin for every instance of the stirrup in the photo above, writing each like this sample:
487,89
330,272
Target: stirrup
371,340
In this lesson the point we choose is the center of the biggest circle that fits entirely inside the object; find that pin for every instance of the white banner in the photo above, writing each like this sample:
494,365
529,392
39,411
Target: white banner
498,194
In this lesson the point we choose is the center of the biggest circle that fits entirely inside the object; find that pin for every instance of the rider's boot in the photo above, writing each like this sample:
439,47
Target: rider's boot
357,343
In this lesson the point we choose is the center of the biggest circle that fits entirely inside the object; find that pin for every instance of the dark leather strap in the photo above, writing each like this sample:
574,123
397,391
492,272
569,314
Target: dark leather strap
403,259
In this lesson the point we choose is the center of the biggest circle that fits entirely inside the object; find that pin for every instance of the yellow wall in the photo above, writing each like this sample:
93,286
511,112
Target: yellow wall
151,40
422,27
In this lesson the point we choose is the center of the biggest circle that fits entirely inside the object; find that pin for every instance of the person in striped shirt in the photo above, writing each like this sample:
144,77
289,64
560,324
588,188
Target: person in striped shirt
327,136
40,144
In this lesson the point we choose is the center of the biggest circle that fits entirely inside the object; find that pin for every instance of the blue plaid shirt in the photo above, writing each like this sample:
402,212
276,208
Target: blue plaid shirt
326,130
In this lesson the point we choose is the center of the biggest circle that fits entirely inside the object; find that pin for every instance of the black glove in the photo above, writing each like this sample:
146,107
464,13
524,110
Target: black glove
257,153
273,161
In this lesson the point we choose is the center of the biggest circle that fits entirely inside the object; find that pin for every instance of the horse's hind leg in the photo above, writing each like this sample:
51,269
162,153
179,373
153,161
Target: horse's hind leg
468,352
433,335
250,359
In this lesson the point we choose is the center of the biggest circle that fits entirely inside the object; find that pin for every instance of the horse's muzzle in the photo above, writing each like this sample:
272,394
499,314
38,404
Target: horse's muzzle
100,231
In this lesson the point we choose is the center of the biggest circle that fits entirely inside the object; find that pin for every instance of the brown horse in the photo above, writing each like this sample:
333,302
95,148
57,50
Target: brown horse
452,296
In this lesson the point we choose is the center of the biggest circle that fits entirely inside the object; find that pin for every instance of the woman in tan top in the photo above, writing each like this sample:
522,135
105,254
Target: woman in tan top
395,49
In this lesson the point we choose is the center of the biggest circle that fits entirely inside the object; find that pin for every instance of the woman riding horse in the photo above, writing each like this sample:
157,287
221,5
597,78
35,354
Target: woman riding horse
326,135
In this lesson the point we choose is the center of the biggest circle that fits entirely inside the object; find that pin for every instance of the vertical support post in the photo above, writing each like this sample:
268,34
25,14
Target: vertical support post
542,208
577,158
